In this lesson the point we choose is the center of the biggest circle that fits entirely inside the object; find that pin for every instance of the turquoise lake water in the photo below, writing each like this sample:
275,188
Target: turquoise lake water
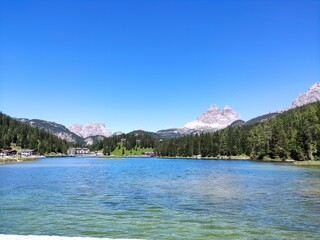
152,198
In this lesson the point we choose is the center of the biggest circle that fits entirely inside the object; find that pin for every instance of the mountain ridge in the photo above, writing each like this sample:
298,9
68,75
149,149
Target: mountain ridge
212,120
312,95
57,129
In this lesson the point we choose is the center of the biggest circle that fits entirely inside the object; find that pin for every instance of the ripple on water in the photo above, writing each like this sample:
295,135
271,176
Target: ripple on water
160,199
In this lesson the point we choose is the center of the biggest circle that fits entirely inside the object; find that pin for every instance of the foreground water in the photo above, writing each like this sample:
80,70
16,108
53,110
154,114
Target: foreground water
159,199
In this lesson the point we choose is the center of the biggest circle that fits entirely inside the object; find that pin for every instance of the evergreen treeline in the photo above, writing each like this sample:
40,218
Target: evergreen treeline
26,136
294,134
130,141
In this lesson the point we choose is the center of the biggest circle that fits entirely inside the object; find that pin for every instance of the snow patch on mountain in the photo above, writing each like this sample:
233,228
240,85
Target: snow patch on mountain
90,129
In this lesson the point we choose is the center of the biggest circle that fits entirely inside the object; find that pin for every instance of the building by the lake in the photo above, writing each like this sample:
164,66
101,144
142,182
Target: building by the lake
78,151
28,152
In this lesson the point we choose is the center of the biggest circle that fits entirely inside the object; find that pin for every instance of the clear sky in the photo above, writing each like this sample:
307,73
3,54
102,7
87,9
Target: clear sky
154,64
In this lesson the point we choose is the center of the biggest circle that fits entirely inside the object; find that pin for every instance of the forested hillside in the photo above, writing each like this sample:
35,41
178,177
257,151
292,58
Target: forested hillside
294,134
26,136
129,141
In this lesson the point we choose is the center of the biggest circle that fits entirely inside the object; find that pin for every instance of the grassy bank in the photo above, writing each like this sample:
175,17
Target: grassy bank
307,163
17,159
136,151
244,157
241,157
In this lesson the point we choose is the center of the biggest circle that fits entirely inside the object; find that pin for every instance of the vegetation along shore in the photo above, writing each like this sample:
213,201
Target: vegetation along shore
14,159
293,135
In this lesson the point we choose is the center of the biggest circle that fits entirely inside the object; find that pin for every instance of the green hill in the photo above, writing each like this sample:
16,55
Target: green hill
137,150
24,135
133,143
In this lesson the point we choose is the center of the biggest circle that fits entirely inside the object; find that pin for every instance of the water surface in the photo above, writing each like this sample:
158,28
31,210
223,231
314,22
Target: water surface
159,199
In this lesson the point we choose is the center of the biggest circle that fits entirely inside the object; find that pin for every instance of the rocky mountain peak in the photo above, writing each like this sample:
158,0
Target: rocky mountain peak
312,95
227,108
214,107
90,129
315,86
214,118
52,127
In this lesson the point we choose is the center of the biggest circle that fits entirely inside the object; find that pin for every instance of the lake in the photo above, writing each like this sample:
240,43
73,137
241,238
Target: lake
151,198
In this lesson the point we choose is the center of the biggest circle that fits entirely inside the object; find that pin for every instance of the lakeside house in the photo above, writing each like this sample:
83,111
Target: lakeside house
78,151
82,151
28,152
8,152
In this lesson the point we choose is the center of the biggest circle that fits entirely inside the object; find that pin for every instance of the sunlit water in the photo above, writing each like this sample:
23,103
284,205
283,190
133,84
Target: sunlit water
159,199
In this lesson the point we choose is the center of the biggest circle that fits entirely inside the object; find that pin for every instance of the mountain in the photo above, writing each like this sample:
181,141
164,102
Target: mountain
214,119
93,139
26,135
90,129
312,95
118,133
211,120
261,118
89,134
177,132
57,129
140,133
293,134
237,123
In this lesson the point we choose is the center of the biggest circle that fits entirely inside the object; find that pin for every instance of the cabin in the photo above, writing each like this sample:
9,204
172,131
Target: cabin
123,140
28,152
8,152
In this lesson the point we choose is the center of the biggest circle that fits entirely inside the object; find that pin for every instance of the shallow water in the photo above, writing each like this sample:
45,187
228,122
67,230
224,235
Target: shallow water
159,199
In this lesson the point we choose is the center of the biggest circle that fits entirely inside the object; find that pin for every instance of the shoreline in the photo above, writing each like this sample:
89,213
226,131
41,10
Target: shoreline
247,158
9,159
4,160
306,163
44,237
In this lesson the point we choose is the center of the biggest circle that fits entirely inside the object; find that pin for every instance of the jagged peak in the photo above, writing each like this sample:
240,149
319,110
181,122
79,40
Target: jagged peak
214,106
315,86
312,95
214,118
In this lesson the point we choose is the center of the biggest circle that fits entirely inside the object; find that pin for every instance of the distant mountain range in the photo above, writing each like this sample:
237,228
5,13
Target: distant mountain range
57,129
211,120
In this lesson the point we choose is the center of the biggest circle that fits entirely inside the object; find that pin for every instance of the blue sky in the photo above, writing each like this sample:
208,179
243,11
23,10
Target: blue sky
154,64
